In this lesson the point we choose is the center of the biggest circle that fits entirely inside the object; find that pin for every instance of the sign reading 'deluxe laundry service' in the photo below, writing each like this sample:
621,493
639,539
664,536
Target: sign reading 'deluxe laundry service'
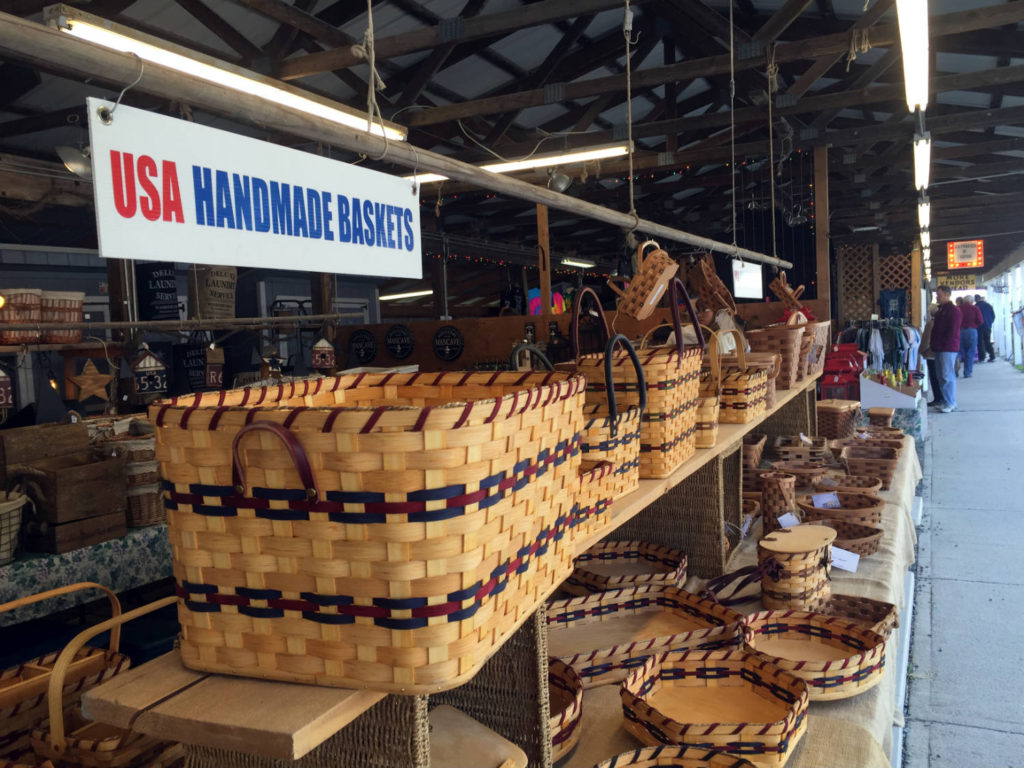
171,190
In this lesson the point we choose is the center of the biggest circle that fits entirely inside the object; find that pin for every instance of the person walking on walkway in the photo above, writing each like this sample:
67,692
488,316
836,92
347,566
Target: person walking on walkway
970,321
934,381
945,343
985,331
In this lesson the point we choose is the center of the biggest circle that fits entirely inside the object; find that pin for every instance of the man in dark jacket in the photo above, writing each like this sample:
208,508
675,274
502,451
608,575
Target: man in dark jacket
985,331
945,342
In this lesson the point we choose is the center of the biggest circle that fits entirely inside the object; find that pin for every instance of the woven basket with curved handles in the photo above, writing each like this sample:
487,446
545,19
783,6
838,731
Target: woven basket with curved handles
704,280
23,688
783,340
71,739
742,386
385,531
640,294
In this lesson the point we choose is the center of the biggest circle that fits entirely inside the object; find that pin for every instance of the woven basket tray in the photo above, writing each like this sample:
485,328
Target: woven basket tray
735,702
861,508
666,756
878,616
97,745
620,564
336,523
605,635
565,694
840,481
854,537
891,433
836,658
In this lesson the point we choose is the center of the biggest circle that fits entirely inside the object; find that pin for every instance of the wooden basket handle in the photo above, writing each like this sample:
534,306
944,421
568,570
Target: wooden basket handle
612,281
640,252
299,458
641,383
577,308
797,318
533,349
115,604
741,345
63,663
642,343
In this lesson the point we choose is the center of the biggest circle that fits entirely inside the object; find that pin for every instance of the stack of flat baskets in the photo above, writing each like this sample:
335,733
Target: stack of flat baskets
372,530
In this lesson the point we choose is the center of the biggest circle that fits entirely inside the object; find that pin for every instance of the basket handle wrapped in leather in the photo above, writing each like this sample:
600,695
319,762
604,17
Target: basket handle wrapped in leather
533,349
577,308
115,604
641,382
299,458
675,288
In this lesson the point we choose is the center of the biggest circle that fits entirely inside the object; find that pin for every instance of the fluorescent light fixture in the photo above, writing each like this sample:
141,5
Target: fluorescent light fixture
407,295
913,21
581,263
922,160
924,214
867,228
601,152
155,51
926,239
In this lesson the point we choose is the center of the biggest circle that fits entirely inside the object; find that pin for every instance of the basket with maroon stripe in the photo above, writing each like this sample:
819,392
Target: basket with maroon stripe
382,531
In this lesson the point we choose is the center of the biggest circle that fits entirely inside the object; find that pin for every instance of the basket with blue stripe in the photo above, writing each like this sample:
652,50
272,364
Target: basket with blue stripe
385,531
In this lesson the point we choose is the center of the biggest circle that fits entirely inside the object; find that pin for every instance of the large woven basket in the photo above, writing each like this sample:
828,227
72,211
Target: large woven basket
611,433
860,508
814,345
645,289
62,307
619,564
375,530
742,386
565,695
835,657
735,702
837,419
783,340
21,305
605,635
23,688
669,429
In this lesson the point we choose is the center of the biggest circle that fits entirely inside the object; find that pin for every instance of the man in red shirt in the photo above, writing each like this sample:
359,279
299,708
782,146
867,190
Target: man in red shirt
945,343
970,321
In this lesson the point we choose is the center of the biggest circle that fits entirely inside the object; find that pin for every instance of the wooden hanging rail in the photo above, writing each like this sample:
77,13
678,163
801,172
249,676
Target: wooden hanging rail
32,43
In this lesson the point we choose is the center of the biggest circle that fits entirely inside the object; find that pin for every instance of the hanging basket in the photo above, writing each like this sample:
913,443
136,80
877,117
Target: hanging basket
640,294
703,278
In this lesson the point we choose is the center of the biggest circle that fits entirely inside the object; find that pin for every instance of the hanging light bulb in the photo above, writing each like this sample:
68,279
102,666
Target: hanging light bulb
926,239
924,213
922,160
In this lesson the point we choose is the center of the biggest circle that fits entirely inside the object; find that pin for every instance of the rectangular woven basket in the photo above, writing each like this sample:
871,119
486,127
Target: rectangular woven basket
385,531
785,341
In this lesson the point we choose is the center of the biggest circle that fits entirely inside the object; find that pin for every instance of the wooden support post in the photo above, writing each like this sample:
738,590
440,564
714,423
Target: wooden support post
118,291
544,259
916,309
439,282
321,291
821,233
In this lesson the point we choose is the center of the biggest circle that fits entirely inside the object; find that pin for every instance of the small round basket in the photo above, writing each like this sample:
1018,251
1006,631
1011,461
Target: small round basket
674,757
840,481
860,508
565,694
835,657
853,537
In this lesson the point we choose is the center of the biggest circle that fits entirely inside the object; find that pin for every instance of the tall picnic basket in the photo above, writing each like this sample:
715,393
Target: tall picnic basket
383,531
743,386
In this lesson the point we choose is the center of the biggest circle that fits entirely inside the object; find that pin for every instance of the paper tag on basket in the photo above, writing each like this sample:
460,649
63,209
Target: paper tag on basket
862,435
828,500
788,520
805,439
746,526
829,482
845,560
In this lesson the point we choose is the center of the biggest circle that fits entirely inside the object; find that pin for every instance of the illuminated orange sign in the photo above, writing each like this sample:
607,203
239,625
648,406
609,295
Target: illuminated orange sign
965,254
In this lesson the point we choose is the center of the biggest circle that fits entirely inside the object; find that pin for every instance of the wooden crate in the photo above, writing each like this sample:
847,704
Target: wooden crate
73,487
42,536
22,446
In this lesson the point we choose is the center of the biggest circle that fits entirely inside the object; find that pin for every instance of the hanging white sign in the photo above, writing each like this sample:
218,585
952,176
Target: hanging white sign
171,190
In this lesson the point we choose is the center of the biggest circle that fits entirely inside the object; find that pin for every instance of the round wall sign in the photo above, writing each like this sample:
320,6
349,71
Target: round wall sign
399,341
363,345
448,343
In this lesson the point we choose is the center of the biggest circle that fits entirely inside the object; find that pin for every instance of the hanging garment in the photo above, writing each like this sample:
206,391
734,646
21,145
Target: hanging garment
893,303
876,349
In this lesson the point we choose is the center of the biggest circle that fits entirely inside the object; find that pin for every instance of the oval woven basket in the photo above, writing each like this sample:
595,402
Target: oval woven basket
854,537
877,442
374,530
860,508
840,481
618,564
665,756
803,471
835,657
871,460
876,615
565,695
735,702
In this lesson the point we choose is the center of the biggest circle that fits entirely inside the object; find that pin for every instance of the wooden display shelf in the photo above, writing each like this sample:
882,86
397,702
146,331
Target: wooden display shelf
729,436
261,717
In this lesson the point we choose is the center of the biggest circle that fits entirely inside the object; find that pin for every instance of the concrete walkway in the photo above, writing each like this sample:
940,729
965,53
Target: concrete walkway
966,688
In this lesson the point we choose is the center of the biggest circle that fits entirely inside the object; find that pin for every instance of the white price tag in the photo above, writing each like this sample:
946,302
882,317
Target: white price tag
746,526
788,520
845,560
829,482
805,439
825,500
862,435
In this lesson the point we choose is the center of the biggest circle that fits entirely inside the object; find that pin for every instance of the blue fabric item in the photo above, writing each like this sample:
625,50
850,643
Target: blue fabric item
968,348
987,313
893,303
946,362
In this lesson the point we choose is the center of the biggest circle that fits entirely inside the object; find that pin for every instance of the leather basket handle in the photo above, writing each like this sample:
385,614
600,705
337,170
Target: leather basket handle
641,382
299,458
533,349
577,307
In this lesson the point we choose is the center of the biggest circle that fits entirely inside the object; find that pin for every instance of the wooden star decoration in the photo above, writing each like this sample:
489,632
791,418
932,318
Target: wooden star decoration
91,383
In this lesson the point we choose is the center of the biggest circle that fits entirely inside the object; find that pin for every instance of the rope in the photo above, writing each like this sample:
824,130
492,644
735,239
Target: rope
365,50
627,31
859,43
772,71
732,118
